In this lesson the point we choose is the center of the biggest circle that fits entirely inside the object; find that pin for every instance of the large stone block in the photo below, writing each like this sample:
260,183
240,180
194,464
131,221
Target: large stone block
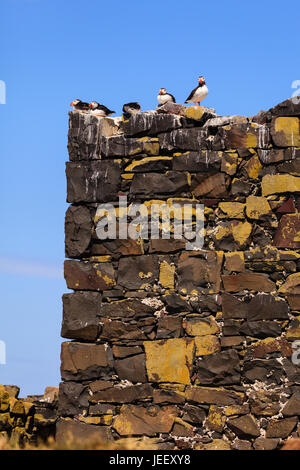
132,368
195,271
285,131
128,394
252,281
96,181
185,139
73,398
80,315
194,162
83,136
215,186
277,184
134,420
137,272
152,184
83,275
169,360
221,368
213,396
82,361
244,136
78,231
151,123
127,309
261,307
290,107
120,146
81,434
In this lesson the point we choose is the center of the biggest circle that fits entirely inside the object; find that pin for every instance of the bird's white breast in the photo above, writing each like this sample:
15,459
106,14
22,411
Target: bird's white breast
200,93
163,99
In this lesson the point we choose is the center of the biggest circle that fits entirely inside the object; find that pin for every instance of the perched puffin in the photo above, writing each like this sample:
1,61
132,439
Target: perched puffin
80,105
100,109
199,93
164,97
131,108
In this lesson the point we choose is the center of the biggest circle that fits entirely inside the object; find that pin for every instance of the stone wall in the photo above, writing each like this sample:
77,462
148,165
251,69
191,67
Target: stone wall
185,348
27,420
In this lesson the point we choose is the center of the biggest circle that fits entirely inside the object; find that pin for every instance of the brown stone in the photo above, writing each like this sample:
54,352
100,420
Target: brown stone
244,426
285,131
80,433
125,351
251,281
117,247
262,443
168,396
139,271
78,231
198,326
235,261
115,330
128,394
264,402
82,275
195,162
213,186
95,181
281,427
134,420
287,233
292,406
268,345
84,361
214,396
221,368
80,311
216,419
169,327
127,309
149,184
132,368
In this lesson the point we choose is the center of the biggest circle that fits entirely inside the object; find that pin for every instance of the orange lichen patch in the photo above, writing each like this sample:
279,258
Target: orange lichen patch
273,184
257,207
169,360
207,345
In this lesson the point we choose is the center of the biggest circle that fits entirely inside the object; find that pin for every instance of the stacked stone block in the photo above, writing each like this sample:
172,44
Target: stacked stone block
186,348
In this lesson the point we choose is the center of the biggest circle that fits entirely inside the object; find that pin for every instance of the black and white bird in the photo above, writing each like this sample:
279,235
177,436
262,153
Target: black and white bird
164,97
199,93
99,109
80,105
131,108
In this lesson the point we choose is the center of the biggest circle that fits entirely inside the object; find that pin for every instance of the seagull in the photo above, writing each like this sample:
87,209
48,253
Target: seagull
131,108
99,109
80,105
199,93
164,97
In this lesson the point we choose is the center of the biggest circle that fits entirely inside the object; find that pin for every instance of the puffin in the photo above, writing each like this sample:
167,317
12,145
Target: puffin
199,93
80,105
99,109
131,108
164,97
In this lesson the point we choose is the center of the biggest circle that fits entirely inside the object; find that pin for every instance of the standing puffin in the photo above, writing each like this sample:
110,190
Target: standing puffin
131,108
80,105
99,109
164,97
199,93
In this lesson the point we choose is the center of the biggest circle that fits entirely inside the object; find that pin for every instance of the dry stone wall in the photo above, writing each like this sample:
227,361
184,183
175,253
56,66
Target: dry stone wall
185,348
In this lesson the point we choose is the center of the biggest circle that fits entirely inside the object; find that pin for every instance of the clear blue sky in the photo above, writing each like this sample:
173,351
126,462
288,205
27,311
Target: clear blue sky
53,51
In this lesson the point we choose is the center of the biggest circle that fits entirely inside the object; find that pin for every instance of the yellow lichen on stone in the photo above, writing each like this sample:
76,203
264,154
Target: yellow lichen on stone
169,360
143,161
215,444
257,207
290,127
222,232
167,275
104,420
292,285
251,140
110,282
194,112
273,184
127,176
215,420
232,210
253,167
207,345
100,259
241,232
201,326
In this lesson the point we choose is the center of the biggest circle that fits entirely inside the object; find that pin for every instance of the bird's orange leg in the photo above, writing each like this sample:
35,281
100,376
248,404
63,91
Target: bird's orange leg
198,103
195,103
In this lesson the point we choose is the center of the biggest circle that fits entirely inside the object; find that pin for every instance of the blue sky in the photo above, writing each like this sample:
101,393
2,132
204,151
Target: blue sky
54,51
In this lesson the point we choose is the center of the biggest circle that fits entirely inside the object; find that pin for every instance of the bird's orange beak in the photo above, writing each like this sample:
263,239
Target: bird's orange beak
71,104
90,105
160,92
